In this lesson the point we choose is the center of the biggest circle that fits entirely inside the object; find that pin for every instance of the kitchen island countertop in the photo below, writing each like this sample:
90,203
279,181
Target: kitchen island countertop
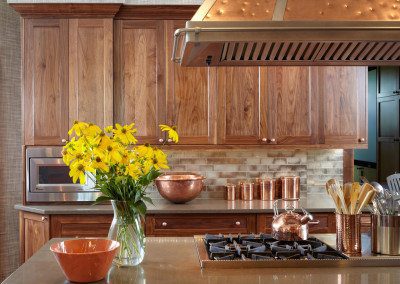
318,203
174,260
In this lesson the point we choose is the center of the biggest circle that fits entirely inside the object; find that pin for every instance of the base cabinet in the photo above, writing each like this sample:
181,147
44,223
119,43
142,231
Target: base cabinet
36,229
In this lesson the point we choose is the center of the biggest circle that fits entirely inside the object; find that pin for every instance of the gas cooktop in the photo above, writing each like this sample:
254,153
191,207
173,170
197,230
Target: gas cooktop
263,251
265,247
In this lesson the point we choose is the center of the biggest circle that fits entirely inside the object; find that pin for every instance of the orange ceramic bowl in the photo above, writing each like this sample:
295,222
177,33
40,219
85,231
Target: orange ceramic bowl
85,260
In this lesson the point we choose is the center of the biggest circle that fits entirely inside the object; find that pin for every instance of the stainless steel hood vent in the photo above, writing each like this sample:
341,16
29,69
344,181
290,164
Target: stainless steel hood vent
291,32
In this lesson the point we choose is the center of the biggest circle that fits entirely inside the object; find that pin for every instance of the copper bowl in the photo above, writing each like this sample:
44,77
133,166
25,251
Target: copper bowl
180,188
85,260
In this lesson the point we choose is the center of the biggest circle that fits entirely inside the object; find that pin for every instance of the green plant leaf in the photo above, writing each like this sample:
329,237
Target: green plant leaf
102,198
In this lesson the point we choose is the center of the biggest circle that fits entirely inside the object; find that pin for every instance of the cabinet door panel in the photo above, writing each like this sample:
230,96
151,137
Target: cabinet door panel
190,97
291,107
343,104
139,77
34,233
91,71
388,81
45,90
388,153
238,105
82,226
388,117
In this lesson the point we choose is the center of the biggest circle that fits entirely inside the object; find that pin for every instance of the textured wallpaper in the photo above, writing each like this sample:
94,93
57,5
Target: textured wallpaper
10,137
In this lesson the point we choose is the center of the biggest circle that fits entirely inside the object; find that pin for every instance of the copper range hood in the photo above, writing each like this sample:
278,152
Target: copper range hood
290,32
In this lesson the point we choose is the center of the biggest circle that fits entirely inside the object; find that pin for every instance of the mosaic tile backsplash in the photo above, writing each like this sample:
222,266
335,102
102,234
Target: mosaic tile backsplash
220,167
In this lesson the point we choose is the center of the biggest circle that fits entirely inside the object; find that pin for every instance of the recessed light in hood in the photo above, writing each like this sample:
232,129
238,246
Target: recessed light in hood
291,32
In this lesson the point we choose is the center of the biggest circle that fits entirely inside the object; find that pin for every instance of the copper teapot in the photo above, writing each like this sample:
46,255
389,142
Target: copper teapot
289,225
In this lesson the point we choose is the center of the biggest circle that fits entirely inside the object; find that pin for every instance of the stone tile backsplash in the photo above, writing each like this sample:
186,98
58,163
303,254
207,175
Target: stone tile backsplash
314,167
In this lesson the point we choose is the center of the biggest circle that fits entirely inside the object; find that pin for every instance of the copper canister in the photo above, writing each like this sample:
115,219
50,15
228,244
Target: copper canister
230,192
247,191
290,188
239,190
348,234
257,188
267,189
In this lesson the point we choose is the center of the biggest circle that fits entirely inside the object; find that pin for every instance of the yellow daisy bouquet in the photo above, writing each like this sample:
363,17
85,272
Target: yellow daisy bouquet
120,169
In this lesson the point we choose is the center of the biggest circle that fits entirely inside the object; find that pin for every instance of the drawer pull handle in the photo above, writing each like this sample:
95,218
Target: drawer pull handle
169,140
237,223
161,140
164,224
44,218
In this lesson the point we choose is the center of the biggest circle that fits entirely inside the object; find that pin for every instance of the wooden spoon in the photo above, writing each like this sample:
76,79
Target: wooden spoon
355,191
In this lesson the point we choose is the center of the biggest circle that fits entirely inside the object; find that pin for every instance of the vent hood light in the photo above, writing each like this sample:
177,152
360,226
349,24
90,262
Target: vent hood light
290,32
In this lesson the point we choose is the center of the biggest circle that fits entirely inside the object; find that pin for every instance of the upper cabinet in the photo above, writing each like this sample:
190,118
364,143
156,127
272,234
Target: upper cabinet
190,96
342,95
45,81
91,71
238,105
388,81
289,110
139,77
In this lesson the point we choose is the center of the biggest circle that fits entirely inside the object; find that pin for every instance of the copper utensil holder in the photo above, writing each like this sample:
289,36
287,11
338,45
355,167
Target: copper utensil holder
348,234
267,189
385,234
230,192
247,191
256,191
290,188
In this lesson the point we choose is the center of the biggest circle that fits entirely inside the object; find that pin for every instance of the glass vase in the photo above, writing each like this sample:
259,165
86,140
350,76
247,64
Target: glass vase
127,229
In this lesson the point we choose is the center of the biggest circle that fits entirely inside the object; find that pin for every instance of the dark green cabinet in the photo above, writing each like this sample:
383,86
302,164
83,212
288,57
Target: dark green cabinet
389,81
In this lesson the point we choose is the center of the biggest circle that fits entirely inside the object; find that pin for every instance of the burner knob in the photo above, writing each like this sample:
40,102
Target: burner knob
164,224
237,223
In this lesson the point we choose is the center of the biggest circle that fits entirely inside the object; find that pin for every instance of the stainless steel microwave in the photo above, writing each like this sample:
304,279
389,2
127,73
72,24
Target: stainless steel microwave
48,180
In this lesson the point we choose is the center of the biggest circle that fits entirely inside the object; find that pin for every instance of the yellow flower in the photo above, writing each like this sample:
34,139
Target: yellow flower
78,170
114,152
144,151
78,128
158,161
108,129
125,133
172,134
134,170
91,130
99,164
102,141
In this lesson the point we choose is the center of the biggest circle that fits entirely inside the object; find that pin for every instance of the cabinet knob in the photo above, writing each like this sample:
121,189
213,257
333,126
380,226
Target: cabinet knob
44,218
63,140
164,224
264,140
237,223
169,140
161,140
362,139
272,140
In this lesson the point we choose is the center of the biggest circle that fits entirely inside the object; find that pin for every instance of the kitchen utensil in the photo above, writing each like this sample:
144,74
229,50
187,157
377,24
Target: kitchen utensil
230,192
267,189
290,187
364,179
338,189
180,187
335,199
85,260
247,191
385,234
290,226
367,199
348,234
355,189
394,182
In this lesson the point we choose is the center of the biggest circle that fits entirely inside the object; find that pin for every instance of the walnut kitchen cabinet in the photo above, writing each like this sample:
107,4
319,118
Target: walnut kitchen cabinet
240,105
91,71
289,110
190,96
45,81
139,77
342,93
34,232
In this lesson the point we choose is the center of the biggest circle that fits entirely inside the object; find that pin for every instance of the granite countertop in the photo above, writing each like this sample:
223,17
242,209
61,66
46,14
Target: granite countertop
312,203
174,260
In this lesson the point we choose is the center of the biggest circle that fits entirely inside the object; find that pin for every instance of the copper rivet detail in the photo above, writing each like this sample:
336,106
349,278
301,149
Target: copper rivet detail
346,6
243,9
224,1
253,14
246,3
266,11
257,4
220,12
208,16
321,13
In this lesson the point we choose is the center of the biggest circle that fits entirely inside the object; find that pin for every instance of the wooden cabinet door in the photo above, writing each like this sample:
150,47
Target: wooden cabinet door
239,105
45,81
342,95
139,82
291,108
91,71
34,233
190,96
81,226
388,81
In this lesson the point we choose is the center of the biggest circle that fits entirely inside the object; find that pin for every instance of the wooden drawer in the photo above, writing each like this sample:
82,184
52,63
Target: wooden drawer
192,224
326,223
80,225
